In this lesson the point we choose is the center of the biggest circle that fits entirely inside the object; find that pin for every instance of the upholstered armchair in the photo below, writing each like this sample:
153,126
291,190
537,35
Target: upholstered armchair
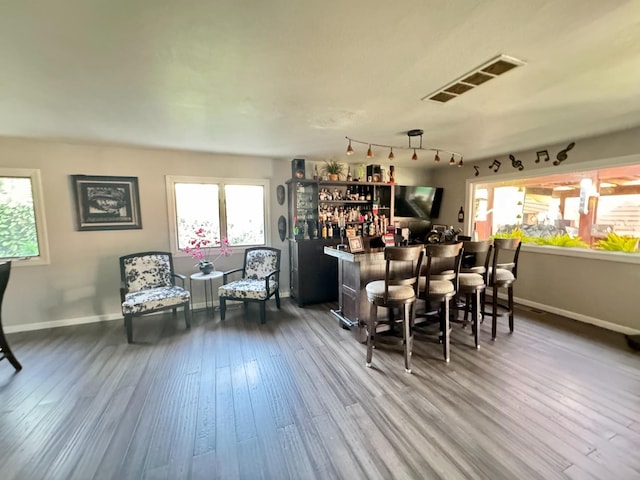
148,284
259,282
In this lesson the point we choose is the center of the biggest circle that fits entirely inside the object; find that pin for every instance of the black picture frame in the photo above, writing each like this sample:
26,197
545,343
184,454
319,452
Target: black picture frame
106,203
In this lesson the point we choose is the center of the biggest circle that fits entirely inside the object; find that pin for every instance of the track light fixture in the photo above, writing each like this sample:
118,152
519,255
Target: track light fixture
349,149
411,134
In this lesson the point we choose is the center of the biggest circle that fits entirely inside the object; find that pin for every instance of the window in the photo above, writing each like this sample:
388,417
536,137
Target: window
22,224
597,208
231,208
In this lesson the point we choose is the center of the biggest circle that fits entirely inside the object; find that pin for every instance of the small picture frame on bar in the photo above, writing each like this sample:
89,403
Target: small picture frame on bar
355,245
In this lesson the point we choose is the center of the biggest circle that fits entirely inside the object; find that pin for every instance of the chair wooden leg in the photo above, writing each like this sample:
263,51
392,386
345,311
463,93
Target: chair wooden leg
510,293
445,332
407,335
187,315
263,313
128,328
476,322
278,299
371,329
6,351
494,313
223,307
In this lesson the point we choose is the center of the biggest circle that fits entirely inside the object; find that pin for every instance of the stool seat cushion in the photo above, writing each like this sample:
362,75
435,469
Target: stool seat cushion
436,287
470,280
375,292
502,275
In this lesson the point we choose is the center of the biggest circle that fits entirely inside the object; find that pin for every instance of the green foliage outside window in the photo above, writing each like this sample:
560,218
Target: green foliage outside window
18,234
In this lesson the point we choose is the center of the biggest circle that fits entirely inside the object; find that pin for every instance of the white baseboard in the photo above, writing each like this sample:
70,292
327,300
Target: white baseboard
575,316
68,322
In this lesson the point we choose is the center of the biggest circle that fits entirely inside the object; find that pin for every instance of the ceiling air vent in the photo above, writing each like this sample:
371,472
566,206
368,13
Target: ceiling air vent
491,69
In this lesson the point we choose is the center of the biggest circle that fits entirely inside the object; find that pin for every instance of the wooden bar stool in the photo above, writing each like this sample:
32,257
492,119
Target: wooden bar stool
397,290
503,273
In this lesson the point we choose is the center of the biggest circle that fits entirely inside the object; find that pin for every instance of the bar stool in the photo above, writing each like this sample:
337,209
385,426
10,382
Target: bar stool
441,287
503,274
5,351
397,290
473,279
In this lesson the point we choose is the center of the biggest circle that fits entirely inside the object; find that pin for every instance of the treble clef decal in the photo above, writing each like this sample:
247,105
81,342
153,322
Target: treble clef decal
495,165
562,154
477,171
516,163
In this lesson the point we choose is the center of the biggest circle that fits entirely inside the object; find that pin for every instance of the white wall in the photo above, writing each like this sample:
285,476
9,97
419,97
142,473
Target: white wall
588,289
82,281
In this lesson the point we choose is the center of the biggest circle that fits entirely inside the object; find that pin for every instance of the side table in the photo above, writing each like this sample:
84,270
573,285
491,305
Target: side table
208,287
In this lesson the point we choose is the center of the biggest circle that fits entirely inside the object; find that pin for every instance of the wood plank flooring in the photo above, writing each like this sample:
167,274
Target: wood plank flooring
293,399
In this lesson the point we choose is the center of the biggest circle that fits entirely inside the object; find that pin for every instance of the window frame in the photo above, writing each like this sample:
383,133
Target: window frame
39,212
171,180
622,257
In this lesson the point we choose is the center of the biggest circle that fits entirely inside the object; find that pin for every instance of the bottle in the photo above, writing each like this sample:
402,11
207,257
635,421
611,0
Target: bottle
324,230
461,215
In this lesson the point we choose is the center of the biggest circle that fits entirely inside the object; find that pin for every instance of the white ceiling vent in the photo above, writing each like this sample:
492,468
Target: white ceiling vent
491,69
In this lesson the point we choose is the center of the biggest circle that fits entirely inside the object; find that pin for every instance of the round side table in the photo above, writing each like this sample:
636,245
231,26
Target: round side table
208,287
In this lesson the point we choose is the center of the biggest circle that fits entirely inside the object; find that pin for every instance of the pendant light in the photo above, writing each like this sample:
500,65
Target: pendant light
349,149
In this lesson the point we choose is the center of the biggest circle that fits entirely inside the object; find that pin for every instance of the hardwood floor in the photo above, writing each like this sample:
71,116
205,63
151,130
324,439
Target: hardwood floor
293,399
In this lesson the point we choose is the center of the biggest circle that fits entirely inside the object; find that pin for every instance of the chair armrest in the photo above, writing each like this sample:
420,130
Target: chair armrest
229,272
266,280
123,291
181,277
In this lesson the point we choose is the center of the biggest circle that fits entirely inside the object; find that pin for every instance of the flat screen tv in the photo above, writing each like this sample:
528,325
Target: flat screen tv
417,202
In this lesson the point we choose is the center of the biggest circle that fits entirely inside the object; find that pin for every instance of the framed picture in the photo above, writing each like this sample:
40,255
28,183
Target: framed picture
355,244
106,203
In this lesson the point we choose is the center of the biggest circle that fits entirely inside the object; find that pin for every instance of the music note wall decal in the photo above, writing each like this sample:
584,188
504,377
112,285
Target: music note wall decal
516,163
495,165
475,167
562,154
542,155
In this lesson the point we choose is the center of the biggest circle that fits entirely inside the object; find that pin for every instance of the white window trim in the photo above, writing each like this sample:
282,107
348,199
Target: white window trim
620,257
38,205
171,205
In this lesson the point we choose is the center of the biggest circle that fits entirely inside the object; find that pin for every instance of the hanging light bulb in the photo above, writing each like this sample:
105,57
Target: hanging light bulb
437,157
391,155
460,163
369,152
414,157
452,161
349,148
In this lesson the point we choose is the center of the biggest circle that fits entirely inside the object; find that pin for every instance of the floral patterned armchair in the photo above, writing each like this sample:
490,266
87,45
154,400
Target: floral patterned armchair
259,282
148,285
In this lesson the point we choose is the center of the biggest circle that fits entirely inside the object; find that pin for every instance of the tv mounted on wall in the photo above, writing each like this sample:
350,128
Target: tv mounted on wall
417,202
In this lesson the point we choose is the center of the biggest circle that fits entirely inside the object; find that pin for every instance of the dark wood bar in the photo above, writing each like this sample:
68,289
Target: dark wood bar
355,270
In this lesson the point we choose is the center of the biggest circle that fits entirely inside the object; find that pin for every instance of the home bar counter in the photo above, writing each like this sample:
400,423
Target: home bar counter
355,270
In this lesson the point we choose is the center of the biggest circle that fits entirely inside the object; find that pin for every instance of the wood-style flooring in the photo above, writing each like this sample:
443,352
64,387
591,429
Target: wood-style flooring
293,399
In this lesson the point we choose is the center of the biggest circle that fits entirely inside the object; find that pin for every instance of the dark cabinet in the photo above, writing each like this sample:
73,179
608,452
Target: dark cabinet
314,275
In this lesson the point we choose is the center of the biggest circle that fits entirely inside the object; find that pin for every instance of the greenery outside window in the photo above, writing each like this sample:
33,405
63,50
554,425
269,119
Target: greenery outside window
22,223
596,209
225,208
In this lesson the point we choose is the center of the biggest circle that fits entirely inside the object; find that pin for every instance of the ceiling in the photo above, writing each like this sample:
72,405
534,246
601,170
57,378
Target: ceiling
292,78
